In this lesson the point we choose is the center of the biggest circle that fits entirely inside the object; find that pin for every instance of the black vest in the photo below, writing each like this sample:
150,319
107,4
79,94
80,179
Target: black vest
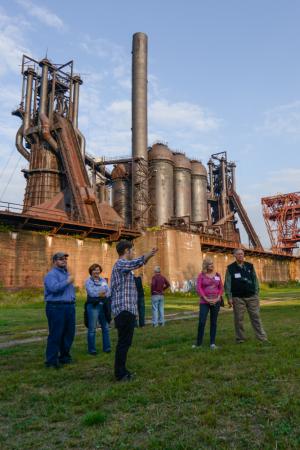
242,279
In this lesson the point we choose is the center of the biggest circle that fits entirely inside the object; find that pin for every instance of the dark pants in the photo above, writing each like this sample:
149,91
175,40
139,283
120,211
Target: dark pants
61,324
141,311
203,312
124,323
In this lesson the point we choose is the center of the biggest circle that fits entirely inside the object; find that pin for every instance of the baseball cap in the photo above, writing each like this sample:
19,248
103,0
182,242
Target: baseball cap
59,255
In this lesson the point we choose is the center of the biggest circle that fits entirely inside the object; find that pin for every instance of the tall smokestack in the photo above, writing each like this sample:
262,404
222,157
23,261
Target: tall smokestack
139,130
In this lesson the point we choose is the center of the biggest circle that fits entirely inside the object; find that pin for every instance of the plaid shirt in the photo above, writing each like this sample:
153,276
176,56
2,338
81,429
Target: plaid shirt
123,289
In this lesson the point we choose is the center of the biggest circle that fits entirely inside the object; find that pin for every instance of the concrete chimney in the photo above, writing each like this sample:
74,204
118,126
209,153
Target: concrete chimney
139,131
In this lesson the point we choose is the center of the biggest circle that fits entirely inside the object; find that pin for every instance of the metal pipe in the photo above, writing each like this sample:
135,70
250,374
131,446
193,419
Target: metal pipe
139,95
75,108
52,95
76,83
224,186
211,179
82,142
45,129
19,144
233,177
27,113
140,195
45,64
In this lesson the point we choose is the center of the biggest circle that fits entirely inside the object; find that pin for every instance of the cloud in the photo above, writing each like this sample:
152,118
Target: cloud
284,119
12,42
288,176
105,106
43,14
182,115
115,60
278,182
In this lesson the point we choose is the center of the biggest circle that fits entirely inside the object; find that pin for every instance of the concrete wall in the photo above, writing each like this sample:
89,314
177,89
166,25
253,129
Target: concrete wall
26,257
267,268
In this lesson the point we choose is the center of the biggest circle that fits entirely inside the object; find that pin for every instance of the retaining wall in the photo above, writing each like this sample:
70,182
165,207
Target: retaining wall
25,257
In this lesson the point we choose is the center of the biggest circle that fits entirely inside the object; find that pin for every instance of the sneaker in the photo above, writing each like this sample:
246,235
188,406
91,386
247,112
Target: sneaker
154,325
196,345
93,353
213,347
240,341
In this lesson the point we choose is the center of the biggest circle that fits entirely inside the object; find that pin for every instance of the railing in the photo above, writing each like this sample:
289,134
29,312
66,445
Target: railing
33,211
55,216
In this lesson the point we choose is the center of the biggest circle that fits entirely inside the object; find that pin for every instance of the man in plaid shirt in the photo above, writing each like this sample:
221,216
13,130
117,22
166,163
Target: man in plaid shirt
124,302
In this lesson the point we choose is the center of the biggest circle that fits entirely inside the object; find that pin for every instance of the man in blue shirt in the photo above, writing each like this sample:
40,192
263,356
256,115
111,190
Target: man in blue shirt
124,298
60,311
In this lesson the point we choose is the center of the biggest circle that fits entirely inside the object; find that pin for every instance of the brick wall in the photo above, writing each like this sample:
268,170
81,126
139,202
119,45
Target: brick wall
26,257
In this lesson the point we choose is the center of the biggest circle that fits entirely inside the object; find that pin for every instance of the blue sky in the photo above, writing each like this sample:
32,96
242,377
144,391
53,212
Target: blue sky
223,75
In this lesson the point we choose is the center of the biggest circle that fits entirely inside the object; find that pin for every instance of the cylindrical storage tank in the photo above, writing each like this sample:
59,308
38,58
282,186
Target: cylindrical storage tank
199,192
182,185
121,193
161,184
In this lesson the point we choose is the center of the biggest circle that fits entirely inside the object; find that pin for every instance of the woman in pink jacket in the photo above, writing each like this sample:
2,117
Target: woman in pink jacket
210,289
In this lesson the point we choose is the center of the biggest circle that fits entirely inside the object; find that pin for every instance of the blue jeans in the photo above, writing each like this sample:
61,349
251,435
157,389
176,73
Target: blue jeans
157,310
61,324
214,311
95,315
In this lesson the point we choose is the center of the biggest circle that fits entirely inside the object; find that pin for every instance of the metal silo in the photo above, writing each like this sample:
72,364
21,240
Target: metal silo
121,193
161,184
182,185
199,192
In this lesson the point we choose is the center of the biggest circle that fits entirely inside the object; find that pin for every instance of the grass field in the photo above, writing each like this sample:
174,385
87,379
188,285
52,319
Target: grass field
239,397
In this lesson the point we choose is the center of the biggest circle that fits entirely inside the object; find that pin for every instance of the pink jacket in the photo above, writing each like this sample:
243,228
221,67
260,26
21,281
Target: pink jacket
209,287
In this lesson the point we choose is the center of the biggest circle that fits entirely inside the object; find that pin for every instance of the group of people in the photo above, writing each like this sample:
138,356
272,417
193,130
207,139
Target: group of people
241,288
125,300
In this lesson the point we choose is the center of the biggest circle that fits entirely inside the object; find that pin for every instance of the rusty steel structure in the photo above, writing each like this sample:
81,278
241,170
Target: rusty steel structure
224,202
282,217
58,182
152,187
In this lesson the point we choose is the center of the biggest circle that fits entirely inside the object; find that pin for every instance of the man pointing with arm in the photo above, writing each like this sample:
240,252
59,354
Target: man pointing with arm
124,302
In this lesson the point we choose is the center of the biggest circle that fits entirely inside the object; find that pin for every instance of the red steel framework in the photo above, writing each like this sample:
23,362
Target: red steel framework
282,216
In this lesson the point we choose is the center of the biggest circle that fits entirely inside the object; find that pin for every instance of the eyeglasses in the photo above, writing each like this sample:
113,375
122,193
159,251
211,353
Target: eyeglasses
64,258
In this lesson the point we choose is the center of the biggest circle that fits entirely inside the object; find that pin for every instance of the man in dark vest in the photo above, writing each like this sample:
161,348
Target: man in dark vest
241,287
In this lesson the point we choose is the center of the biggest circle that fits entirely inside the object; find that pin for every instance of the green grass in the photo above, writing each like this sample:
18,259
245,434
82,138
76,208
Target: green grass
22,313
240,397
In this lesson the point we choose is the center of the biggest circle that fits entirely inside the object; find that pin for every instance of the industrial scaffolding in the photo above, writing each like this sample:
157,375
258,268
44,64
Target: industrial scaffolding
282,217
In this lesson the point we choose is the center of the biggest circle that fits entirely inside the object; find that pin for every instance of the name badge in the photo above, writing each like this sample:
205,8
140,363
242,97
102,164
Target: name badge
237,275
217,278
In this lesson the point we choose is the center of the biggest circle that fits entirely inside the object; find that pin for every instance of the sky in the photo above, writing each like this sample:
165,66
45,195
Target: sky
223,76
